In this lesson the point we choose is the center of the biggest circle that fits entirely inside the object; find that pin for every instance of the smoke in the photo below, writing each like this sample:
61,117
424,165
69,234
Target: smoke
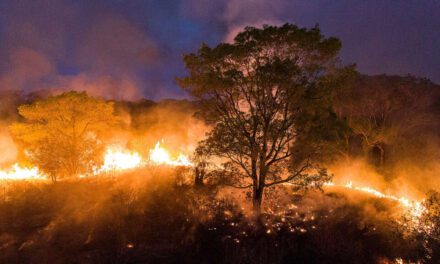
239,14
75,45
7,145
374,34
170,122
64,45
104,86
235,15
26,67
234,30
402,180
115,46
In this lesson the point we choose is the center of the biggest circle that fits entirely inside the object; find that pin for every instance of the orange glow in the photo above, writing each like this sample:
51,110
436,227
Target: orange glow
415,208
116,159
160,156
17,172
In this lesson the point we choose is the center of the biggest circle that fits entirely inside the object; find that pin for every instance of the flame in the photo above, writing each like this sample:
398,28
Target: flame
415,208
116,159
160,156
18,172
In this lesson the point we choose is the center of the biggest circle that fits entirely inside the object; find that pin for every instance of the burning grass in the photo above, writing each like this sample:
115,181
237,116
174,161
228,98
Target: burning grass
116,160
17,172
150,215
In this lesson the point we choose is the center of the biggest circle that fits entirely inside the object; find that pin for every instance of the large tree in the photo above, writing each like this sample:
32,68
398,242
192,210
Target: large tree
63,135
257,93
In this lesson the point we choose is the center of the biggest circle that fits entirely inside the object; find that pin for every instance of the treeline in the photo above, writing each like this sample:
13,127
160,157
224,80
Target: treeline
149,218
385,119
391,118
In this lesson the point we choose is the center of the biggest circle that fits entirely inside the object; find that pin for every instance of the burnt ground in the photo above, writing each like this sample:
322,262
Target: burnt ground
142,219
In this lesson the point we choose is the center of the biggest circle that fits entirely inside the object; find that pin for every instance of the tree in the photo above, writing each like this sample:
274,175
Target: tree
201,164
387,110
63,135
427,230
255,93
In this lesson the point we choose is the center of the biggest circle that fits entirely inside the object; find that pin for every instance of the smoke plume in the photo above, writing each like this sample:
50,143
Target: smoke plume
64,45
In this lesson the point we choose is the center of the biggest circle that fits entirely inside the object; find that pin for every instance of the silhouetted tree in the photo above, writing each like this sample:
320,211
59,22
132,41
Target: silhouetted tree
255,92
201,163
427,232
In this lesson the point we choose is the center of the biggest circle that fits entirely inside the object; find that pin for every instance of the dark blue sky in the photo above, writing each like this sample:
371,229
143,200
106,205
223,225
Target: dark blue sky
128,49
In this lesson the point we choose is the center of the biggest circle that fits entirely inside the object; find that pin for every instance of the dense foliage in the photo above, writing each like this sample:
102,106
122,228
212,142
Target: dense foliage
64,135
280,108
256,93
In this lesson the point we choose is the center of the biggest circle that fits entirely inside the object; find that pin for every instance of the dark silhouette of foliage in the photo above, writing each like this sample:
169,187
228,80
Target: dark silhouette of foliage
256,93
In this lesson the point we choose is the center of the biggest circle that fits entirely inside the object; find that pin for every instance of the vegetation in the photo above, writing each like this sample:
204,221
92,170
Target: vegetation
388,114
255,92
157,220
63,135
428,233
280,109
148,216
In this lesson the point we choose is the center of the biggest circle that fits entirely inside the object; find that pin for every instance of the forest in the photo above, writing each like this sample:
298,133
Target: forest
279,154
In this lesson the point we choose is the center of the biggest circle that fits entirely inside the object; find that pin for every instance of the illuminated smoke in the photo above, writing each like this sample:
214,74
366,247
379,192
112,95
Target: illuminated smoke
415,208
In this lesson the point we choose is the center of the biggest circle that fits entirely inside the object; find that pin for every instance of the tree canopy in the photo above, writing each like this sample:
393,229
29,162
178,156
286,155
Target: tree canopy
64,135
390,114
260,93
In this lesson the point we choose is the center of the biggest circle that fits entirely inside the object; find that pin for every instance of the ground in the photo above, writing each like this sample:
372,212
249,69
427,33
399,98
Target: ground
152,217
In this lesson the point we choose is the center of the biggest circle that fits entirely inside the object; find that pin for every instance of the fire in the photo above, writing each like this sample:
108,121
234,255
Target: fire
160,156
18,172
415,208
116,159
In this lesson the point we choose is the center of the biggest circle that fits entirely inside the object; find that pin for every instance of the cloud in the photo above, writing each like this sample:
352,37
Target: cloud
235,15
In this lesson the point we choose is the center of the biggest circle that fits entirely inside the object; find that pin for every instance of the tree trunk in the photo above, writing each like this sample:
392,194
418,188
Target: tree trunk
381,157
198,179
257,198
53,178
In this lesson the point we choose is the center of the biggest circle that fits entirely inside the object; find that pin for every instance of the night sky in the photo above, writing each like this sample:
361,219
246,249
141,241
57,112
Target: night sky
128,49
